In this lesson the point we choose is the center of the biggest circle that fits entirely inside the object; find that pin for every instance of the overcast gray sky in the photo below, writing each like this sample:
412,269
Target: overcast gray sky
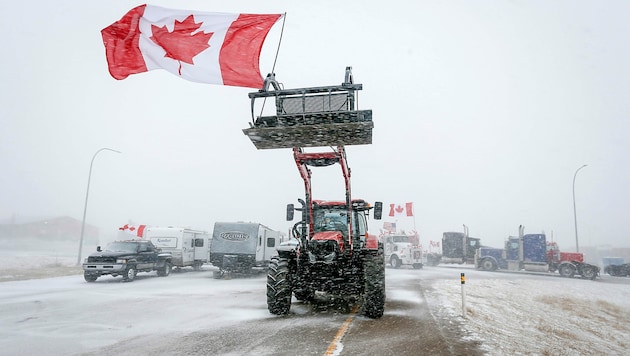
483,111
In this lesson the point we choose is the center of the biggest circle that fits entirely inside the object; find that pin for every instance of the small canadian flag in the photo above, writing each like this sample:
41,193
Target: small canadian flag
399,209
133,229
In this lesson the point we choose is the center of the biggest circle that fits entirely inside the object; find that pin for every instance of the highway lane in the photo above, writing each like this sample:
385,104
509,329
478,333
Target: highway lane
193,313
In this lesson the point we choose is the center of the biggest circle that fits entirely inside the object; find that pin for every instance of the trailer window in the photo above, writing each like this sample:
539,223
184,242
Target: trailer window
271,242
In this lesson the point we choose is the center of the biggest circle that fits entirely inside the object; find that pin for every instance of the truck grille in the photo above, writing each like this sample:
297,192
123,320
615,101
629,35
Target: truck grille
101,259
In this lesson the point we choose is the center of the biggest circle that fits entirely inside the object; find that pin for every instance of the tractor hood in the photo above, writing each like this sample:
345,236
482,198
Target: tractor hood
330,236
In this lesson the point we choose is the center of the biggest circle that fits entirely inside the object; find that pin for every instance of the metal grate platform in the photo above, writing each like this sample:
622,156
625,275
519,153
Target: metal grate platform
311,117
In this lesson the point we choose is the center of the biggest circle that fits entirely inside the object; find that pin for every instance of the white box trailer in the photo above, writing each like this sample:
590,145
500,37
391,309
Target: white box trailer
189,248
242,247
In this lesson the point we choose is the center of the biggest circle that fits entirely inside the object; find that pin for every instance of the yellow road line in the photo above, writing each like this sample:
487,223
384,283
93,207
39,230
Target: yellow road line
342,330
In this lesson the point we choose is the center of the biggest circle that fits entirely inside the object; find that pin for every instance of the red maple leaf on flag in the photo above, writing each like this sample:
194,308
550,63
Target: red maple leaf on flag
181,44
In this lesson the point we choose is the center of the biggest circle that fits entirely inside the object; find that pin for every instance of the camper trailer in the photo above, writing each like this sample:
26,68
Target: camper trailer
242,247
189,248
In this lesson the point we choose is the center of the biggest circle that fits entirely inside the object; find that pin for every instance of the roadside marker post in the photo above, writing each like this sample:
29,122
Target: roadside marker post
463,280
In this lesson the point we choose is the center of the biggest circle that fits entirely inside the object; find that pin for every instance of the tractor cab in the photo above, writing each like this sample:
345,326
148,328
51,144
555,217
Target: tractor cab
309,117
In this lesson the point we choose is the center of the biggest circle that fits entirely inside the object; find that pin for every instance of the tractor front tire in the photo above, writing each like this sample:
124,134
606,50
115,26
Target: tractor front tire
279,289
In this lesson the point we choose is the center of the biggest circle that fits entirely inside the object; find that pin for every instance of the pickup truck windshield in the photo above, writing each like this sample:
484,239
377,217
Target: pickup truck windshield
122,247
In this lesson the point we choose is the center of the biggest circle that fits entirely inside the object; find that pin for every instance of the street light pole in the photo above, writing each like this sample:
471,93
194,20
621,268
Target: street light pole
87,193
577,245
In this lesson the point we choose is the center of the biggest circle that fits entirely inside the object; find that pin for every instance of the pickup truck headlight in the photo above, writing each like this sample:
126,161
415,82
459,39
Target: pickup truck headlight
121,260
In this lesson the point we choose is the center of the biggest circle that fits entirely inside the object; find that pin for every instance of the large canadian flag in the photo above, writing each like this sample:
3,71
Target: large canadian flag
401,210
205,47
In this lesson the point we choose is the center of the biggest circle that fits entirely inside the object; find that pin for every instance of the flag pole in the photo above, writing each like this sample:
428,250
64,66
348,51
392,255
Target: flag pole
284,18
275,59
414,219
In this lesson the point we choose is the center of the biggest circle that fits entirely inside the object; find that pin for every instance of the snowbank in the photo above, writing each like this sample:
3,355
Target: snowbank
554,316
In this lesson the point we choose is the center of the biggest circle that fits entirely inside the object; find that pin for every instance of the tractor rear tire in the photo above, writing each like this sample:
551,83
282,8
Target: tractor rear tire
279,289
567,270
374,295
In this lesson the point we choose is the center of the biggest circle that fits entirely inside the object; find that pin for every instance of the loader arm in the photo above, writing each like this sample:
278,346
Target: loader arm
323,159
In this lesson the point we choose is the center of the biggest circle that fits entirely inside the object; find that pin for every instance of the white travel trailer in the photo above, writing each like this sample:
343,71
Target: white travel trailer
242,246
189,248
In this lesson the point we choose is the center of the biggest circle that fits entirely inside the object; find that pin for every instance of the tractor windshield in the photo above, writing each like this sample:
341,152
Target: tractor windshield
331,220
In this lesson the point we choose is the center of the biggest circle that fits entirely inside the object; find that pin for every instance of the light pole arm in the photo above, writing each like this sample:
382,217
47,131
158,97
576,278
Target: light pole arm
577,245
87,193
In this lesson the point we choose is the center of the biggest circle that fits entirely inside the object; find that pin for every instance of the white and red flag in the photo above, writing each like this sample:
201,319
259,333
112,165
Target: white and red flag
204,47
401,210
137,230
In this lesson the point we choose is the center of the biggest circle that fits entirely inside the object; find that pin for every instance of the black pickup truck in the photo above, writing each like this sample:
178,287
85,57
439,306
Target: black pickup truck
126,259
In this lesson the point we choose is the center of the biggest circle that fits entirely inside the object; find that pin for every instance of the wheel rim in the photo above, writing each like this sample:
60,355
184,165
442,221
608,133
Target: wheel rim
487,265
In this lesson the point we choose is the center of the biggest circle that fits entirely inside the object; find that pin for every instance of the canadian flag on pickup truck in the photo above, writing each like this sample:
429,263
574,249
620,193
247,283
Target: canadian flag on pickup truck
137,230
401,210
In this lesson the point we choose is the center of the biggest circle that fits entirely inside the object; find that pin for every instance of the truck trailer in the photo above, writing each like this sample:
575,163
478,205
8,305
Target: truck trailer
242,247
188,247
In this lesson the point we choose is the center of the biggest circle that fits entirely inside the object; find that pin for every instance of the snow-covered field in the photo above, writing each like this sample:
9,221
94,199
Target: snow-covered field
527,315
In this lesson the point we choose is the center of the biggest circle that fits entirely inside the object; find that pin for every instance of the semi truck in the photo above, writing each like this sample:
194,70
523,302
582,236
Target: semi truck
457,247
403,250
532,253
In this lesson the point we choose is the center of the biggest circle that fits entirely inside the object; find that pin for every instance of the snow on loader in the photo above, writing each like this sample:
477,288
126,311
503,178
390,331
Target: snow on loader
336,257
310,117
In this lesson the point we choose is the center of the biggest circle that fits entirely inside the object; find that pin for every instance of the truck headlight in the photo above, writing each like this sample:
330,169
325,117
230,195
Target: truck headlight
121,260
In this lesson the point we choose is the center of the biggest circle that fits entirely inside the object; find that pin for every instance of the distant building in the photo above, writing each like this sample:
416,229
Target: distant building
62,228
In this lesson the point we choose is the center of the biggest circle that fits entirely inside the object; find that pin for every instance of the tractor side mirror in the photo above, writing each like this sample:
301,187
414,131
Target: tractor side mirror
378,210
290,212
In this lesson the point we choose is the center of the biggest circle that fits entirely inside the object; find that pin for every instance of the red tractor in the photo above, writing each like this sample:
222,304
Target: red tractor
335,255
